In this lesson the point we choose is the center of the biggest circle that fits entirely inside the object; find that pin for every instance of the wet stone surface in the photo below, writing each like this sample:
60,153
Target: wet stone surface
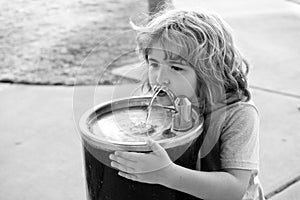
67,42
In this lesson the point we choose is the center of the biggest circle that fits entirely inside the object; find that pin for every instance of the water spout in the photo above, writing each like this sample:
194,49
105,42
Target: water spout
157,89
182,109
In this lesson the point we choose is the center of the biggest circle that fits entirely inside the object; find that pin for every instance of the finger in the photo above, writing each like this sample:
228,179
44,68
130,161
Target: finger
128,176
121,160
154,146
121,167
132,156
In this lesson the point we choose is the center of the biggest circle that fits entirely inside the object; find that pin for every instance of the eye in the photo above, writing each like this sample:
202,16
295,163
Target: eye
176,68
153,65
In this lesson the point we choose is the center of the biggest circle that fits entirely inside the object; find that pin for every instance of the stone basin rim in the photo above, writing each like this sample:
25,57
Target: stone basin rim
133,101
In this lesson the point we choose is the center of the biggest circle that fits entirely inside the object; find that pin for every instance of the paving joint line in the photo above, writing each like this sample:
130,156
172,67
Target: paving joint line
294,1
283,187
34,83
275,92
72,84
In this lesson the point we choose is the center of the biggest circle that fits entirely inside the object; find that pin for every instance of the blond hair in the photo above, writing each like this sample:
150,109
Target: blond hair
205,42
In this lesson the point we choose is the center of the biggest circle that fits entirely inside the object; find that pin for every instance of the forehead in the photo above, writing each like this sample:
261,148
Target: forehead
167,51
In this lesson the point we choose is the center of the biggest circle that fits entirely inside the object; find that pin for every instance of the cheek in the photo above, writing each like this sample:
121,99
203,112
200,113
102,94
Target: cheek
185,85
192,84
191,79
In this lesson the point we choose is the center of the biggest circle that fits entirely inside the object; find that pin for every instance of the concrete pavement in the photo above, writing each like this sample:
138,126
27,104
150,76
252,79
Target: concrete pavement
40,155
40,151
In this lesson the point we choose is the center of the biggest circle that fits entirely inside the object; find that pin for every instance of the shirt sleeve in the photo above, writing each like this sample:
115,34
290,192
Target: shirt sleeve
240,139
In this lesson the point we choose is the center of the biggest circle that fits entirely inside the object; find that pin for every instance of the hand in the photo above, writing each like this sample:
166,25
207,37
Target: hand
143,167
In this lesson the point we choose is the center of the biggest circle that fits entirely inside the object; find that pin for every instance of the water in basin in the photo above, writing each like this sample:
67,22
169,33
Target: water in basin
129,125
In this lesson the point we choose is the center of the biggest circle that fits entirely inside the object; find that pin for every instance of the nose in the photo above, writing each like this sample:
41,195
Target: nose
162,77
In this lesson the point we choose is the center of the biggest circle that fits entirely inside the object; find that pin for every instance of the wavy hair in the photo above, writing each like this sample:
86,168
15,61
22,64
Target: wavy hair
205,42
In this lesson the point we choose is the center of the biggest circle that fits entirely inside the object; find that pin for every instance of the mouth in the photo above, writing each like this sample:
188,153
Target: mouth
164,99
162,94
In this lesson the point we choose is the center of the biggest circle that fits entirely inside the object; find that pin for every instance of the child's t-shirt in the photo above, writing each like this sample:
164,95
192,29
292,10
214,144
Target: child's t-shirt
231,141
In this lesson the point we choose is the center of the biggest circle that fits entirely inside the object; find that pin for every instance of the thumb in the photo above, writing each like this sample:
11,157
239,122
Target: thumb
154,146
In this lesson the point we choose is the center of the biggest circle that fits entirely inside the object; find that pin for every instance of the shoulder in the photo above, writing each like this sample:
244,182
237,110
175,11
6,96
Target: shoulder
235,113
242,109
241,112
241,118
240,137
232,116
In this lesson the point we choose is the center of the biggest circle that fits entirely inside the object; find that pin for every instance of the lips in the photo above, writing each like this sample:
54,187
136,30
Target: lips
161,94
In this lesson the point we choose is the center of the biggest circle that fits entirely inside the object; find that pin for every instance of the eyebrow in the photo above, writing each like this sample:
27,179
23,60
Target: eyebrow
178,61
152,59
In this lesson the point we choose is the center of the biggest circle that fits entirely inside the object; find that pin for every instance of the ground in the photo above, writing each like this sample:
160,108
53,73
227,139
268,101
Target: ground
67,42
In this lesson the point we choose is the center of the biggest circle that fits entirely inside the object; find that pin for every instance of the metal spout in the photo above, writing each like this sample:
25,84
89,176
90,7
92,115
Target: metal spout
182,117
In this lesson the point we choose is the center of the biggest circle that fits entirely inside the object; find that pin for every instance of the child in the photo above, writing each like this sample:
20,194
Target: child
193,54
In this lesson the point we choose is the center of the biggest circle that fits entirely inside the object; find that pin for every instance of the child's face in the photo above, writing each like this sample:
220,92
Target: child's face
171,71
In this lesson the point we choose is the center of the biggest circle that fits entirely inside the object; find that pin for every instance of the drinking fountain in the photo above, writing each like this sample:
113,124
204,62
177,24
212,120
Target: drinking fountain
124,125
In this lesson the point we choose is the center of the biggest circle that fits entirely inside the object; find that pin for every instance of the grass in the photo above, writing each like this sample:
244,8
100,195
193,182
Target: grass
67,42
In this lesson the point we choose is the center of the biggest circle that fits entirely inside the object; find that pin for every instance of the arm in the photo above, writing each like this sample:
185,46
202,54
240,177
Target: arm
239,142
157,168
239,151
230,184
